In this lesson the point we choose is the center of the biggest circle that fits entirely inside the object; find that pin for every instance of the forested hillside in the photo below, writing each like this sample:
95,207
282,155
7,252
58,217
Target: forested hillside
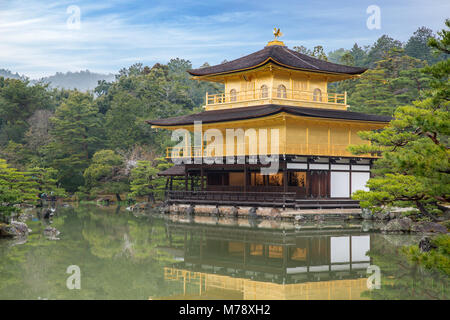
96,141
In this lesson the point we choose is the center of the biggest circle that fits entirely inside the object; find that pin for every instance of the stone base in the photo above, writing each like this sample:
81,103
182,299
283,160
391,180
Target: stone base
267,212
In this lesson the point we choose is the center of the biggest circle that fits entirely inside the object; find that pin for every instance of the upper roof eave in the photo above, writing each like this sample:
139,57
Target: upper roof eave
278,55
269,60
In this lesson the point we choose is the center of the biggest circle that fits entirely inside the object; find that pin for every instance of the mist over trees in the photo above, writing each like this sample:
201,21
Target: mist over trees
80,80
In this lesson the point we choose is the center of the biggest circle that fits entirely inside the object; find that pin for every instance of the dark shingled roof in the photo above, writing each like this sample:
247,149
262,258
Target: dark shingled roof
177,170
280,55
264,111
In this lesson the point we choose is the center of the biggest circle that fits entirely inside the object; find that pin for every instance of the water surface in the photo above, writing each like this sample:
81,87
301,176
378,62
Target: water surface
122,255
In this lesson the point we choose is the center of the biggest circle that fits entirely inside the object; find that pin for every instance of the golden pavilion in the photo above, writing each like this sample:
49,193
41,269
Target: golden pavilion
280,90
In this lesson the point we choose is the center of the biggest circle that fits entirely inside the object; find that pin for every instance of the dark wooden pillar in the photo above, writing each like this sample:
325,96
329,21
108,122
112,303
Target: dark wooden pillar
166,188
202,173
350,182
285,260
350,253
245,178
246,252
285,177
186,180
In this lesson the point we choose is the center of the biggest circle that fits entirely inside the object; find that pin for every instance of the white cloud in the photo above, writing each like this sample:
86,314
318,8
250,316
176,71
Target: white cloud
35,40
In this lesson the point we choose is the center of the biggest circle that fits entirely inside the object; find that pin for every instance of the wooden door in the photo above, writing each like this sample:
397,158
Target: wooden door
318,184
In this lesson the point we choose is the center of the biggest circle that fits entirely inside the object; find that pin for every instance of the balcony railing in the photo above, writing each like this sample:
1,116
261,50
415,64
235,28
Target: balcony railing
336,150
274,93
279,198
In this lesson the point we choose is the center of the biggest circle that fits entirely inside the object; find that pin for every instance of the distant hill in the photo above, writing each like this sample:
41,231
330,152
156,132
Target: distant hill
81,80
8,74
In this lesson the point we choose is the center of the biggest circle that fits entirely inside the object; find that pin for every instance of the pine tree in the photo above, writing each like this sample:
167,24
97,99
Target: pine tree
75,136
144,179
414,169
15,188
106,174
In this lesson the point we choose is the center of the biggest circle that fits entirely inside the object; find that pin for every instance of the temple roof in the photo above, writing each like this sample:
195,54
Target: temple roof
177,170
244,113
282,56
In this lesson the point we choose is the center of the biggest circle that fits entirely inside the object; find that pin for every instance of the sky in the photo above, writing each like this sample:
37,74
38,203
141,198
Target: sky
39,38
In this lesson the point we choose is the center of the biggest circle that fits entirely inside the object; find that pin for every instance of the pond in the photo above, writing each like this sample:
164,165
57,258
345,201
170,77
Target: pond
124,255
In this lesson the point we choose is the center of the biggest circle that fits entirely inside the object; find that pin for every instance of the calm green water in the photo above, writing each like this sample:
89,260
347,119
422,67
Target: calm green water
126,256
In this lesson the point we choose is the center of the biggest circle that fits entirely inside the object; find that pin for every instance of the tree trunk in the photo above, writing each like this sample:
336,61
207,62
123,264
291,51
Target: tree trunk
424,211
443,208
118,197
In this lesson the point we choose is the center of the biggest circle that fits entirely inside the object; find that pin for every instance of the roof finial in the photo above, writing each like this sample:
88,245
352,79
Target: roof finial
277,33
275,42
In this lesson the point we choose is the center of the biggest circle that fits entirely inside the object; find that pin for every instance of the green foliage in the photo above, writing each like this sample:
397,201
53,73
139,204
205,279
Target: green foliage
417,46
400,279
336,55
415,168
106,174
442,43
359,55
372,95
63,129
141,93
437,258
144,179
381,48
396,80
15,188
46,180
316,52
76,134
18,101
15,154
347,59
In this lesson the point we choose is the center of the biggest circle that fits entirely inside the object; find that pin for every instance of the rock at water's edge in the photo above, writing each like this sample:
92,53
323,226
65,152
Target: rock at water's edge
425,244
426,227
14,229
51,233
398,225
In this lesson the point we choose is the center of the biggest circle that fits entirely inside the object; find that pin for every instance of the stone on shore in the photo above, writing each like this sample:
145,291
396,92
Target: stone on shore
428,227
14,229
425,244
398,225
51,233
366,214
204,209
228,211
140,206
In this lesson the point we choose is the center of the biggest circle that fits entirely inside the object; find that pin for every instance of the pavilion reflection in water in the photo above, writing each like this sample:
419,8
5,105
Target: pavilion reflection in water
220,262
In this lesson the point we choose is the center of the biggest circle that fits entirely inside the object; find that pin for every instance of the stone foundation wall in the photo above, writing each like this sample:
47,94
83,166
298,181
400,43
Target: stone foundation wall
264,212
